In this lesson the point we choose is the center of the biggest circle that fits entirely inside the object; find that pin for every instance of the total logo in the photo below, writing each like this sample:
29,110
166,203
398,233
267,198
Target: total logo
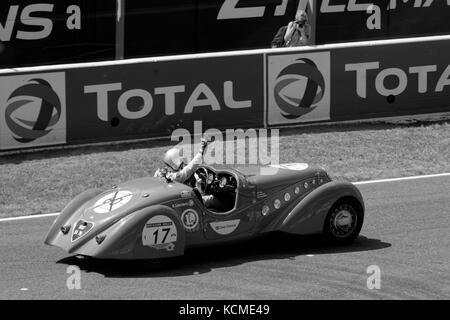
33,110
202,96
395,81
298,88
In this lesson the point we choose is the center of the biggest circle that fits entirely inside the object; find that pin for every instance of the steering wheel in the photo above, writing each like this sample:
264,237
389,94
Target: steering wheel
202,175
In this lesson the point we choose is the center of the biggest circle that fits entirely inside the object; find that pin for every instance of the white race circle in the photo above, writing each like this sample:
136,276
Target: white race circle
112,201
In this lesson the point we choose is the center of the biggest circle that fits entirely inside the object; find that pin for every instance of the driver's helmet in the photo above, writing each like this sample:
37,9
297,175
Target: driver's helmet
173,159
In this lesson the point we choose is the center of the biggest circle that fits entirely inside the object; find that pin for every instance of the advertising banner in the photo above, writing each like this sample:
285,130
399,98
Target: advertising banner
168,27
151,99
362,20
418,18
32,110
357,82
350,20
390,80
56,31
241,24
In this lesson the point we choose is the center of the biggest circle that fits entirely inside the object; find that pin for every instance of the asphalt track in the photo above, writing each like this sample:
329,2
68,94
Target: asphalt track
406,234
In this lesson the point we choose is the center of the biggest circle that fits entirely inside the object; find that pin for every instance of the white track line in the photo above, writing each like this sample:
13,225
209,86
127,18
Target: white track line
355,183
403,178
30,217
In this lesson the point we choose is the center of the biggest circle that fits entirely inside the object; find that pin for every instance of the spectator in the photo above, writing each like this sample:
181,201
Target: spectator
296,33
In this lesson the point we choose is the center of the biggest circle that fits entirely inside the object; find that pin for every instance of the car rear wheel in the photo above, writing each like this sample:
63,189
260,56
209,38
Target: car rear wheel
344,221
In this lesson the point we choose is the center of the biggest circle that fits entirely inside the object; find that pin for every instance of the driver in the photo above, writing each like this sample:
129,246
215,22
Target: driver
179,171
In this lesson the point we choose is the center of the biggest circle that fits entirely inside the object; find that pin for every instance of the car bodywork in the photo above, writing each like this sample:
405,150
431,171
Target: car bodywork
150,218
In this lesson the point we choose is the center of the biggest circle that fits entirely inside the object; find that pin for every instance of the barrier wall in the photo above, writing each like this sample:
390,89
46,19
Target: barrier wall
151,99
143,98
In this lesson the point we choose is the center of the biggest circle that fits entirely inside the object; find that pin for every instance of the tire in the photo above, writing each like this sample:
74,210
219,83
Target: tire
344,221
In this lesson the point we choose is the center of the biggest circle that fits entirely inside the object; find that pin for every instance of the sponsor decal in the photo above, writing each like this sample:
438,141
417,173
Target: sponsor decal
298,88
189,203
291,166
225,227
112,201
160,233
32,110
185,194
261,194
81,229
190,219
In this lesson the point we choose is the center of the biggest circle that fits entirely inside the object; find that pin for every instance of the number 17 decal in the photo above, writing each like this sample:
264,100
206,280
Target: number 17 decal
166,233
159,232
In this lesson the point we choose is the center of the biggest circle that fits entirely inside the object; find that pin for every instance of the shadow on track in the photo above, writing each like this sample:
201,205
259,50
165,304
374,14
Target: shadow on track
202,260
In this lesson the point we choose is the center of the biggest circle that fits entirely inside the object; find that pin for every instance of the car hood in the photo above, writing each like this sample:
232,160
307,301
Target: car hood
131,196
106,208
91,213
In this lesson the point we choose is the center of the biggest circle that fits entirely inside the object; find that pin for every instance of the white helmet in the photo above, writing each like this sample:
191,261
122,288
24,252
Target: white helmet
173,158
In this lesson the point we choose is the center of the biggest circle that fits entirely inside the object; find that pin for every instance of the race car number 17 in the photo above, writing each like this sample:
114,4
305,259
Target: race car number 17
159,230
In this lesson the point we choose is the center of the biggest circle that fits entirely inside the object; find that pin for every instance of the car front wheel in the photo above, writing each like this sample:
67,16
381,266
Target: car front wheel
344,221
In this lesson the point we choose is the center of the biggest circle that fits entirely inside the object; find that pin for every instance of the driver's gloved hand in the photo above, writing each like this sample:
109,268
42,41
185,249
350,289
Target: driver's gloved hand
198,182
203,145
160,173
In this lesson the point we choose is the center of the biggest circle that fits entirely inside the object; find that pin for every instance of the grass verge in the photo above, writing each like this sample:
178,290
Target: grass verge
43,182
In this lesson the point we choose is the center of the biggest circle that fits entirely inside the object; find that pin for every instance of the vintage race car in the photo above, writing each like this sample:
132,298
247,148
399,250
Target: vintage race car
151,218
